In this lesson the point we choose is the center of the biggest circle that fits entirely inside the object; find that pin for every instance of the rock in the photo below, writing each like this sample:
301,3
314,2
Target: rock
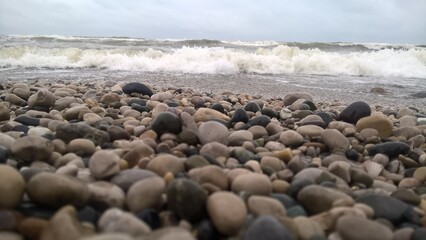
258,132
145,194
353,227
312,120
376,121
137,87
419,233
126,178
391,149
109,236
42,98
177,233
254,183
103,164
4,113
91,118
104,195
165,163
32,148
166,122
354,112
187,199
267,227
195,161
385,207
70,131
271,162
12,187
292,97
206,114
310,131
252,107
138,152
259,121
14,99
237,138
308,228
341,169
82,146
53,190
215,150
210,174
32,228
188,123
316,199
261,205
213,132
218,107
407,196
116,133
73,113
115,220
227,212
420,174
242,155
291,138
335,140
27,120
64,225
6,140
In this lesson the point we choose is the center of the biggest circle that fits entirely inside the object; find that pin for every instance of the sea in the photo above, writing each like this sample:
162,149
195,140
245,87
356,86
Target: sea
377,72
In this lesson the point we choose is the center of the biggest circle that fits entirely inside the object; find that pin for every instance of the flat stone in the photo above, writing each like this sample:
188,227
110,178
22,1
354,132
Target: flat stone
227,212
115,220
12,187
254,183
352,228
70,131
354,112
206,114
380,122
103,164
259,121
312,120
32,148
146,193
407,196
27,120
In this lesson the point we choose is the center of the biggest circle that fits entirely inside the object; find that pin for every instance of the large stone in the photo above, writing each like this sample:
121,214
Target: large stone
187,199
32,148
262,205
4,113
316,199
380,122
385,207
254,183
353,228
267,227
310,130
165,163
167,122
210,174
42,98
104,195
354,112
115,220
145,194
391,149
335,140
12,187
104,164
53,190
70,131
213,132
291,138
137,87
240,115
215,150
237,138
136,153
227,212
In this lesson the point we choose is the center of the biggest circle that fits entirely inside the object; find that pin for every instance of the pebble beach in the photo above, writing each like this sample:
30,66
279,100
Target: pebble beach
130,160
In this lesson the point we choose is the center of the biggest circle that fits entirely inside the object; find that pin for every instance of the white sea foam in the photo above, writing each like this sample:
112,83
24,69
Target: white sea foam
218,60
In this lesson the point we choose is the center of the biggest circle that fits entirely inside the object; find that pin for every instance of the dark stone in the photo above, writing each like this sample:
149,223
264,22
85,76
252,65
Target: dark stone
195,161
260,120
406,196
240,115
151,217
352,154
421,94
207,231
166,122
354,112
88,214
267,227
385,207
37,211
242,155
116,133
326,117
21,128
211,160
176,104
27,120
297,185
218,107
408,173
138,101
115,105
411,216
392,149
139,108
187,199
310,104
285,200
269,112
252,107
296,211
70,131
188,137
4,154
419,233
137,87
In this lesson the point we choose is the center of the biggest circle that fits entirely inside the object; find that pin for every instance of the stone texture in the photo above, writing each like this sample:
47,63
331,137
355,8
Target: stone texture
380,122
115,220
12,187
103,164
253,183
213,132
351,228
145,193
32,148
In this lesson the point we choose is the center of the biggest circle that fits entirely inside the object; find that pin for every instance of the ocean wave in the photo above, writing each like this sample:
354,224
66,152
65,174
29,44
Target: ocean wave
281,59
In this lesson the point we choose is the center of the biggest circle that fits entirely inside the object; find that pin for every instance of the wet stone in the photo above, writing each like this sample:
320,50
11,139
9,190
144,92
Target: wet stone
354,112
137,87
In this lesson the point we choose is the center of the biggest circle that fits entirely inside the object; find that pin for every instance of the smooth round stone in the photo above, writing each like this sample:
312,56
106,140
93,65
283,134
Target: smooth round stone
294,96
103,164
359,176
335,140
391,149
291,138
145,194
385,207
406,195
175,233
419,234
167,122
267,227
407,132
326,117
275,163
70,131
116,133
310,130
353,228
258,132
188,123
82,146
308,229
137,87
227,212
210,174
115,220
4,113
380,122
12,187
195,161
341,169
6,140
213,132
14,99
136,153
254,183
237,138
162,96
420,174
165,163
206,114
73,113
215,150
4,154
126,178
312,120
32,228
252,107
240,115
187,199
91,118
316,199
39,131
53,190
42,98
404,111
242,155
261,205
269,112
260,121
354,112
408,121
32,148
104,195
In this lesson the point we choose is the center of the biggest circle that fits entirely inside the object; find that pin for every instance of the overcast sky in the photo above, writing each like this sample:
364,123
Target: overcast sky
391,21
